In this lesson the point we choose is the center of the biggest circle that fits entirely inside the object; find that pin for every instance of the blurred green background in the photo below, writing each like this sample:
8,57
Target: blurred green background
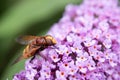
24,17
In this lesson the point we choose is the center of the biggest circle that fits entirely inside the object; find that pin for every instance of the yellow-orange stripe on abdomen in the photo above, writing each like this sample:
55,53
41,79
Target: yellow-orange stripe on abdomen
29,51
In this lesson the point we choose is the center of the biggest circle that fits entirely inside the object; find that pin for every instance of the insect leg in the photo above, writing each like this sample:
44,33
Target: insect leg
32,59
54,47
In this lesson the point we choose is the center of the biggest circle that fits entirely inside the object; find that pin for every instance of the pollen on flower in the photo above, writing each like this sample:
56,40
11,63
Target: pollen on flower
108,35
82,57
48,73
73,76
66,65
88,45
80,67
76,48
62,73
95,47
67,52
88,65
54,57
98,57
111,60
72,70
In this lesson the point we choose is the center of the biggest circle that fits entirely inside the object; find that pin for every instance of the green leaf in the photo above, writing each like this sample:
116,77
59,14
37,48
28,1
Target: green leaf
13,69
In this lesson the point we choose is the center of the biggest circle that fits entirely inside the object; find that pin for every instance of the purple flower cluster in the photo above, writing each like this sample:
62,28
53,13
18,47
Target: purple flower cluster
88,45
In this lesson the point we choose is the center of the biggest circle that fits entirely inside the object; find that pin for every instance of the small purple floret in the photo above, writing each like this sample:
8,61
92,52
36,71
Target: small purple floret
88,47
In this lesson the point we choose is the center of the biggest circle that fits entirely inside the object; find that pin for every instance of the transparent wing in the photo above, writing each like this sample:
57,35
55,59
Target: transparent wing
18,59
25,39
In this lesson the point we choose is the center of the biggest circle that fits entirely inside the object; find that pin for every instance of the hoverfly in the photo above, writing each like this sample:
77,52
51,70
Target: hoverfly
34,43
